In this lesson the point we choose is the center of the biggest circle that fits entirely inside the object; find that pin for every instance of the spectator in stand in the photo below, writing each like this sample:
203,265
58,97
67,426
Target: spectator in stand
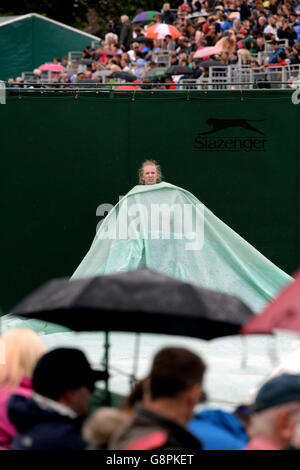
169,43
20,350
135,47
51,419
113,27
197,72
276,413
271,27
294,56
286,31
171,392
125,38
167,16
273,58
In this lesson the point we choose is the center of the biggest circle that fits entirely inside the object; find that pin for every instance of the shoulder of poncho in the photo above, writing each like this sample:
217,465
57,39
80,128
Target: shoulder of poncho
138,189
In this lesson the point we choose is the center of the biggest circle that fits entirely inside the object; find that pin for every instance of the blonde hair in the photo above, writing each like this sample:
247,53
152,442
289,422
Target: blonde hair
21,349
152,163
102,425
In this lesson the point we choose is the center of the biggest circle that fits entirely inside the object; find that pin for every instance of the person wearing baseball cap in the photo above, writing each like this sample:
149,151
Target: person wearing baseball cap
276,413
51,419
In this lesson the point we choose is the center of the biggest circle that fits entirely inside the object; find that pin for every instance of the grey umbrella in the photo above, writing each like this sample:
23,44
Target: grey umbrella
129,77
180,70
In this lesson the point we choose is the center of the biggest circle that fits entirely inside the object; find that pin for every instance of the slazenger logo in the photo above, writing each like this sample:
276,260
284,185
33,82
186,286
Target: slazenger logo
295,96
205,141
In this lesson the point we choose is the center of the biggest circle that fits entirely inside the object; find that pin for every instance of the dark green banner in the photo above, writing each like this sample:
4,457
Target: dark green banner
64,154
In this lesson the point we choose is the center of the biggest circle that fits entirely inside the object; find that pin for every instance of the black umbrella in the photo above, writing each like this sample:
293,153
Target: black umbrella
129,77
141,301
143,39
211,63
180,70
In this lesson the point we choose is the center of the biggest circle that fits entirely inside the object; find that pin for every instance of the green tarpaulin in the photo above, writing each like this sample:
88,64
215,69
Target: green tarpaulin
166,228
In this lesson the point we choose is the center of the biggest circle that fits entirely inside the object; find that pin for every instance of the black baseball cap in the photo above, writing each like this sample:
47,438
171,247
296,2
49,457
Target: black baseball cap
279,390
64,369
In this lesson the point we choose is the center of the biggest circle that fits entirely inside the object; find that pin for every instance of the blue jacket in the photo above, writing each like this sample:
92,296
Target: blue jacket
42,429
218,430
273,58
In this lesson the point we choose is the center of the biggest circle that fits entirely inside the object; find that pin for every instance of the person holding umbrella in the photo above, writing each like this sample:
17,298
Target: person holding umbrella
125,34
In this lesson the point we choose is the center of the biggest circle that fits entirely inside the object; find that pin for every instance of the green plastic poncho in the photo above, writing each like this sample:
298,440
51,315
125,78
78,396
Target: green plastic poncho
167,229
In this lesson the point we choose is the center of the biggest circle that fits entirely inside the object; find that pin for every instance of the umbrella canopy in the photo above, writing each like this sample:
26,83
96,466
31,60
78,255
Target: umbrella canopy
282,313
160,31
207,51
157,72
52,67
179,70
141,301
145,16
142,39
129,77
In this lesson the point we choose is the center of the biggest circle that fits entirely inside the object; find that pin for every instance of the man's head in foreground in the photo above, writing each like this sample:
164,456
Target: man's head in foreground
174,385
277,410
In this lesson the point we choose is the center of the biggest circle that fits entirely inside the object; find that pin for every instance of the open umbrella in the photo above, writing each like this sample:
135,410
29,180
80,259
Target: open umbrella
281,313
145,16
143,39
179,70
52,67
207,51
160,31
129,77
141,301
157,72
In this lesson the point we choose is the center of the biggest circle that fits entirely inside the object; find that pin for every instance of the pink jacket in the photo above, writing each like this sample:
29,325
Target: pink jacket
7,430
261,443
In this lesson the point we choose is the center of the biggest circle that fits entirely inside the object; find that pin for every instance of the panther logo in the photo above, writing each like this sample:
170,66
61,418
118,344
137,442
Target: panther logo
220,124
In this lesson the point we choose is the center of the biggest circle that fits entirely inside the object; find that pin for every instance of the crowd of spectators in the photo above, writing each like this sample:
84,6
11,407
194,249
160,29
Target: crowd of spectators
259,34
45,399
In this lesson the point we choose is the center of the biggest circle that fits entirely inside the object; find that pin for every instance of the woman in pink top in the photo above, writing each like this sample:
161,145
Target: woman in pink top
20,350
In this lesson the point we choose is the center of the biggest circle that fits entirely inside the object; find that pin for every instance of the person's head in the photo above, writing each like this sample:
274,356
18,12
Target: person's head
150,173
176,376
166,6
124,18
135,396
81,76
21,349
64,375
282,55
135,46
101,425
276,409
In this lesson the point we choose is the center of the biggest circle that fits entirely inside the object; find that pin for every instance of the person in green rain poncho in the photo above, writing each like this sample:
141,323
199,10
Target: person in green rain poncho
166,228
